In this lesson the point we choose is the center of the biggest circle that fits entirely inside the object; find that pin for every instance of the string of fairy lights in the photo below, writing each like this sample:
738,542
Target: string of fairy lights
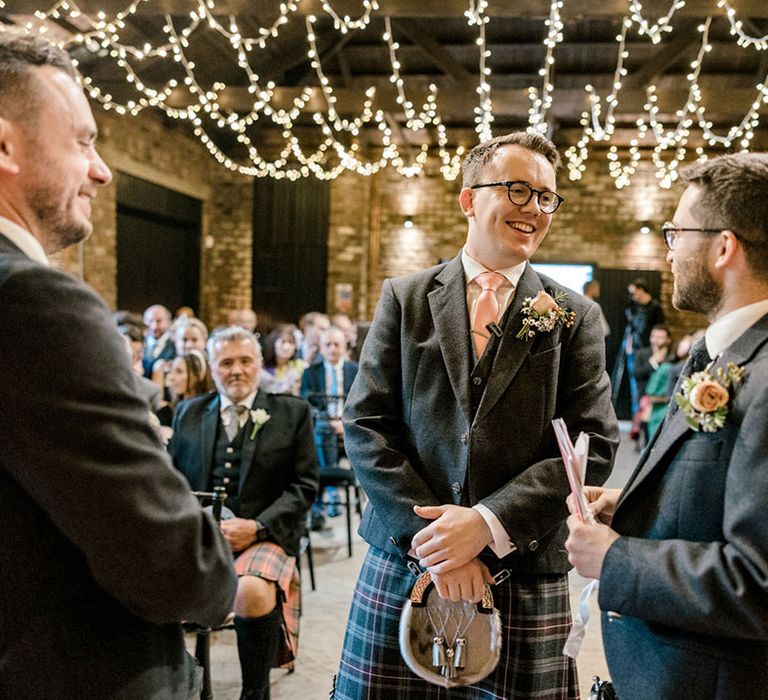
341,147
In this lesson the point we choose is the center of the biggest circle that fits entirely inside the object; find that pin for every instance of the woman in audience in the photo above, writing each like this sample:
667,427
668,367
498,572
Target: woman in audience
282,370
188,334
188,377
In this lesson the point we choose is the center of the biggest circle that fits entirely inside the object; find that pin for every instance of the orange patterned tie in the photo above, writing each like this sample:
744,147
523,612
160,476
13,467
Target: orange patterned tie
486,308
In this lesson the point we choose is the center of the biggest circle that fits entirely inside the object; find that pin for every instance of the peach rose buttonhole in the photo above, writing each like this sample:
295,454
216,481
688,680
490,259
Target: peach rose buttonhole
704,397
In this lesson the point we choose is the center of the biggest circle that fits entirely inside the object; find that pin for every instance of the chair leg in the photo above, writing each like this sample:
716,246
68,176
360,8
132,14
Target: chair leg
203,656
310,563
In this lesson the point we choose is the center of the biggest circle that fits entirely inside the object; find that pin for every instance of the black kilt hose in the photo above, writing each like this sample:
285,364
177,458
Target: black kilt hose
535,616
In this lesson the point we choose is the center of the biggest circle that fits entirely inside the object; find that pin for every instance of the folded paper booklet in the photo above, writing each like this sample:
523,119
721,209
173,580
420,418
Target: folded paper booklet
575,460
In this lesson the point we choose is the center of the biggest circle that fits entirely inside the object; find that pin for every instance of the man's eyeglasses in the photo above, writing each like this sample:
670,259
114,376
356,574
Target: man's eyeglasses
520,194
671,232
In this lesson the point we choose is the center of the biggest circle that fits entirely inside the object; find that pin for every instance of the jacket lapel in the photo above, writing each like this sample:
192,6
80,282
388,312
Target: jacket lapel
210,424
448,304
512,351
249,446
740,352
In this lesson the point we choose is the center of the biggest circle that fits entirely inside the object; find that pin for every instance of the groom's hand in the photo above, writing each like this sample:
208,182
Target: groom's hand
456,536
465,582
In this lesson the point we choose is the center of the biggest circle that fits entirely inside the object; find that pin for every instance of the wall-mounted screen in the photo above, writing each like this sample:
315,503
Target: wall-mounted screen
571,275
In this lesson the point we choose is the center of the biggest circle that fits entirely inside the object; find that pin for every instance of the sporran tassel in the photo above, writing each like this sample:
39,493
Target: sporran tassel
438,652
460,653
449,670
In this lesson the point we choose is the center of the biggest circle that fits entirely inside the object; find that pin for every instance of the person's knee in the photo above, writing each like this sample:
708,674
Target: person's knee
255,597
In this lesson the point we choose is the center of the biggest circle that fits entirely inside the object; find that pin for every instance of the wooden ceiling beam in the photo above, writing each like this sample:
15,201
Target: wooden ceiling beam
422,38
572,9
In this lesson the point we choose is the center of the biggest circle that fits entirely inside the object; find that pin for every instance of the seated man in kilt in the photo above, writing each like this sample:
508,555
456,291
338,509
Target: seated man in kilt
259,447
448,428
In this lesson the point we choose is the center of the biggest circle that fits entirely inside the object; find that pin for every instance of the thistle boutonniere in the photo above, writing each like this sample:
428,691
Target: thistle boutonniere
258,417
704,397
543,313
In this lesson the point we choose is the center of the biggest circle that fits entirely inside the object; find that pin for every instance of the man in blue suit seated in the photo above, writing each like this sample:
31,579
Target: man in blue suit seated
682,552
325,385
259,448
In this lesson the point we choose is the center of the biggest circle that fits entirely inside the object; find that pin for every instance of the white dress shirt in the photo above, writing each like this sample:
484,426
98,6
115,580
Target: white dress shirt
721,334
24,240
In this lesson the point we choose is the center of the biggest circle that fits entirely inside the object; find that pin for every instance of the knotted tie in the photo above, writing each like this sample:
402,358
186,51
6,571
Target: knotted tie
233,426
486,309
333,400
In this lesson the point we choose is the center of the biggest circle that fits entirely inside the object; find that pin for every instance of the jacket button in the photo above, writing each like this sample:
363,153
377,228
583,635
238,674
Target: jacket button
456,486
465,438
478,381
533,545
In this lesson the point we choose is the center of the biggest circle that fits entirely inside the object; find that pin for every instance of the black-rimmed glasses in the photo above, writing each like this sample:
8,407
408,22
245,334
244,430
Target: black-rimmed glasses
520,194
671,232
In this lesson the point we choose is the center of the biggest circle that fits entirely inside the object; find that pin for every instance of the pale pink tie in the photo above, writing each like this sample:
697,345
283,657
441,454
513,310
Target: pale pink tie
486,308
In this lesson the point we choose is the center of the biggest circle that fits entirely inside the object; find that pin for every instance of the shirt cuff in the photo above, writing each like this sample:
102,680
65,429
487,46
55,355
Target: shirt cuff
501,545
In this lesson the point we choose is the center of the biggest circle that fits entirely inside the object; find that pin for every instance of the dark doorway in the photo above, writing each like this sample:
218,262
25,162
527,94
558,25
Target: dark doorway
290,247
158,246
614,298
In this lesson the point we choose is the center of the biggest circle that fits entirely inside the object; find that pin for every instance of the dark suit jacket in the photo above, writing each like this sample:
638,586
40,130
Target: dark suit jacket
313,386
104,550
411,437
278,474
167,352
690,573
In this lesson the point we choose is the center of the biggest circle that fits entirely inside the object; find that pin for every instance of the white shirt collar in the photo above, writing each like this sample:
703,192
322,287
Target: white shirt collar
472,269
24,240
721,334
226,402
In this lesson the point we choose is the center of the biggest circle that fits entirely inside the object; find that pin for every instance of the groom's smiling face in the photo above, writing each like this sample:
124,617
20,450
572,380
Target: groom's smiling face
235,369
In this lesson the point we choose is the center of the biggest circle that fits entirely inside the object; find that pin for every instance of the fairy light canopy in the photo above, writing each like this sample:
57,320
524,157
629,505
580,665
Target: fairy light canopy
315,87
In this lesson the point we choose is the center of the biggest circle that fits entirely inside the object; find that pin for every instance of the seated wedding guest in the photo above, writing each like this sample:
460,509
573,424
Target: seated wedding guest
647,361
325,385
346,324
104,549
187,378
283,369
183,312
656,396
259,447
148,390
158,343
312,324
245,318
189,334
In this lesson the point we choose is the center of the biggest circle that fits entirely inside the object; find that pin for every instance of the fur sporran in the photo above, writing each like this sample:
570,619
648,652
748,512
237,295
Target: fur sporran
449,644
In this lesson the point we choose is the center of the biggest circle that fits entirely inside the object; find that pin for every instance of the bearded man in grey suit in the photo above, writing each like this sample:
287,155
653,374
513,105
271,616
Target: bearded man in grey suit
682,552
452,440
104,549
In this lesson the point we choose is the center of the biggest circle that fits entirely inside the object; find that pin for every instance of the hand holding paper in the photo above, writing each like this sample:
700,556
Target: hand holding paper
575,459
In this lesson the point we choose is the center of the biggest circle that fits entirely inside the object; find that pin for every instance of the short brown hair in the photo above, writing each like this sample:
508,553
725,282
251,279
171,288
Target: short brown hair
19,52
480,155
734,196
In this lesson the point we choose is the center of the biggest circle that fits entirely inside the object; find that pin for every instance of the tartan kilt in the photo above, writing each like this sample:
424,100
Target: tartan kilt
536,620
270,562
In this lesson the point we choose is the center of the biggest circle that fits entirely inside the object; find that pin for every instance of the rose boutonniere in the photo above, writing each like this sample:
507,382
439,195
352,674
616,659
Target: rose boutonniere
258,417
704,397
543,313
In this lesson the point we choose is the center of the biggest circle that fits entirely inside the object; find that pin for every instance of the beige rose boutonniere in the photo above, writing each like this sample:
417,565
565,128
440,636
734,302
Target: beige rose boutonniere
543,313
258,417
704,397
